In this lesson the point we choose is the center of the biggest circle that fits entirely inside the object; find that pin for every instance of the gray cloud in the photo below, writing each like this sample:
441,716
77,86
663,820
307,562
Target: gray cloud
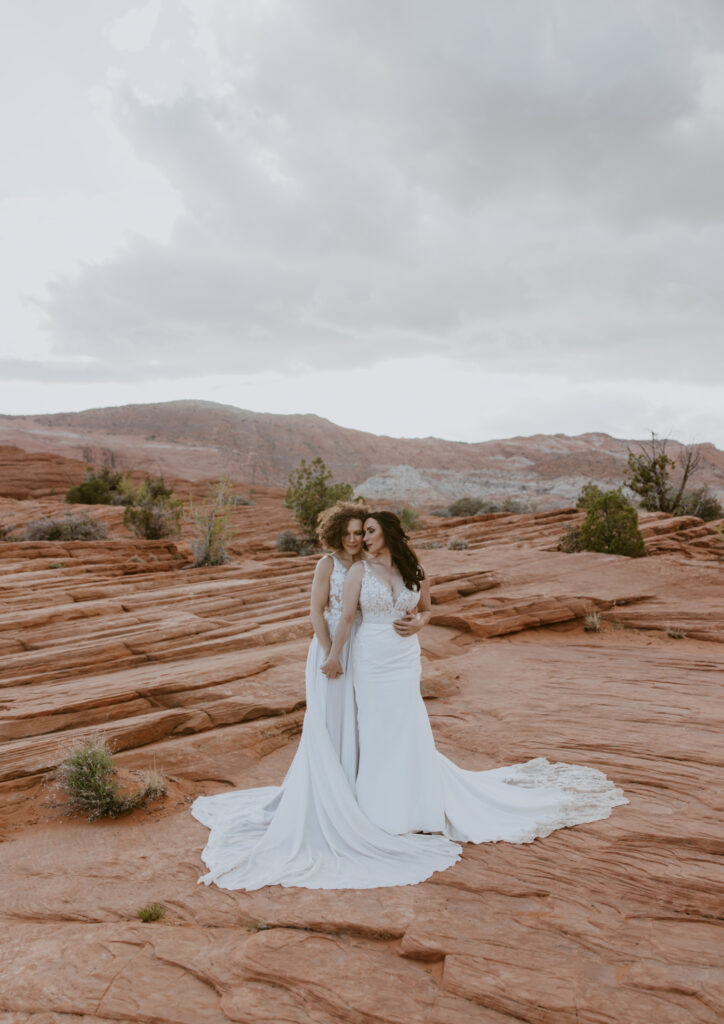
522,185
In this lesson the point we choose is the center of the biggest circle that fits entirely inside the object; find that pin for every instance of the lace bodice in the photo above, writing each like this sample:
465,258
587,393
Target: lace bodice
336,586
377,602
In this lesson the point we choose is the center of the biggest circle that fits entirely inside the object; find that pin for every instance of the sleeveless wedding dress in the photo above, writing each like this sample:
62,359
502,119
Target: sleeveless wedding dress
367,782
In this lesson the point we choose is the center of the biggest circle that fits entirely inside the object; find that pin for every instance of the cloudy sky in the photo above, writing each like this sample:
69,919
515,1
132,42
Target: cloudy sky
471,220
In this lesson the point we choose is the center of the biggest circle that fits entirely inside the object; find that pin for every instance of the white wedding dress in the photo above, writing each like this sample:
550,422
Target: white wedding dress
367,781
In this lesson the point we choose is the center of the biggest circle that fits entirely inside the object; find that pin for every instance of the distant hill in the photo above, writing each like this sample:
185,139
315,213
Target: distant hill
197,440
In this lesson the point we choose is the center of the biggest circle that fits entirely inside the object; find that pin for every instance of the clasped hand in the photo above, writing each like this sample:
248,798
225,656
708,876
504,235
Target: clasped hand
408,624
332,668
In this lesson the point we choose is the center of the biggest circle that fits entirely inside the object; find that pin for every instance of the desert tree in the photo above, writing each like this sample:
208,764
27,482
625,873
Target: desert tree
310,492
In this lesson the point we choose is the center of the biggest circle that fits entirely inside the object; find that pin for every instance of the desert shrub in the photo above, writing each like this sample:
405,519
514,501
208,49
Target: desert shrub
410,519
151,912
702,503
466,507
429,545
571,540
212,526
67,527
87,779
310,492
154,512
101,487
443,512
675,632
240,499
457,544
289,541
611,524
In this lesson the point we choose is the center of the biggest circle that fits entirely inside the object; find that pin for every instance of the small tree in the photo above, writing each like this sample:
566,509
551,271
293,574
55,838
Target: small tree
649,475
212,525
310,492
155,512
611,524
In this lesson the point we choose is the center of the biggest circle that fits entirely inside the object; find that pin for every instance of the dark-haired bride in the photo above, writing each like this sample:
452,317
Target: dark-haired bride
399,814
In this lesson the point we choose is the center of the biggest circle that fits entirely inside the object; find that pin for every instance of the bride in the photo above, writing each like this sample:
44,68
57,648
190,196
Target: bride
368,801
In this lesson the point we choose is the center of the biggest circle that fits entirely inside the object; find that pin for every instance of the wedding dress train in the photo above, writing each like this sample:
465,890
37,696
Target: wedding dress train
367,780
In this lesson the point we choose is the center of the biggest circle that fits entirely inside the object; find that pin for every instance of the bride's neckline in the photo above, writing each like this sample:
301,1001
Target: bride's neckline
385,584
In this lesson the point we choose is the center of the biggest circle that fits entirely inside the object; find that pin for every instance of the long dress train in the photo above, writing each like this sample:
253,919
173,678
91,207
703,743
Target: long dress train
310,831
405,784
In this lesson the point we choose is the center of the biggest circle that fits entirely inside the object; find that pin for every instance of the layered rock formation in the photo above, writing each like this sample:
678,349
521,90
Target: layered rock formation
197,440
200,673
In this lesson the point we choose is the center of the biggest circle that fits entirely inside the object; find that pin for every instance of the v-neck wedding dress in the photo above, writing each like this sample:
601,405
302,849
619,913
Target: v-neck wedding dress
364,787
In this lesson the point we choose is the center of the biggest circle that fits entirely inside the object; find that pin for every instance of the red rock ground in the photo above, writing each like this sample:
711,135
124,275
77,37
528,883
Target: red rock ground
200,673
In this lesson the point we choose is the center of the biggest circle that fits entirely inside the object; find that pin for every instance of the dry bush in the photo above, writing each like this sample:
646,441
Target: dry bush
67,527
212,526
457,544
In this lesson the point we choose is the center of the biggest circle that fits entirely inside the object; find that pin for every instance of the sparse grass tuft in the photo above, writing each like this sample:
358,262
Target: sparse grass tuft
675,632
55,565
87,778
151,912
212,526
457,544
592,622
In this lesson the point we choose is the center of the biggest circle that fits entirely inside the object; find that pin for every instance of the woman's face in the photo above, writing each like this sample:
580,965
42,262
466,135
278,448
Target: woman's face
352,537
374,537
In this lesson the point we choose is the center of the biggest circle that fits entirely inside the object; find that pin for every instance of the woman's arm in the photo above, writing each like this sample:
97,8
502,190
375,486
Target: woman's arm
320,597
414,621
350,598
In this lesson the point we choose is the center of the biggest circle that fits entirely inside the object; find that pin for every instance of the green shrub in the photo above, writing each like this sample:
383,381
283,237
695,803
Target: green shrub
151,912
154,512
410,519
212,525
101,487
67,527
87,778
310,492
611,524
702,503
457,544
466,507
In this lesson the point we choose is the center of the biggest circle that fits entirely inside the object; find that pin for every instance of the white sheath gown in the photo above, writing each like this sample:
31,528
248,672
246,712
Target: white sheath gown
337,824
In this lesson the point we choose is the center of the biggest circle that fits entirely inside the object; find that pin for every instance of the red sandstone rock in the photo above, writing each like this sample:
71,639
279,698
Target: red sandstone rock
200,671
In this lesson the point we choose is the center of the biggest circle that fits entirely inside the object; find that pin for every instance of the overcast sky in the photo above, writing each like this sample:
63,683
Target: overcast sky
470,219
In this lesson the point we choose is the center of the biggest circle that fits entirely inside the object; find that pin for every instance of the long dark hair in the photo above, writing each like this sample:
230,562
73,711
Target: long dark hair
403,557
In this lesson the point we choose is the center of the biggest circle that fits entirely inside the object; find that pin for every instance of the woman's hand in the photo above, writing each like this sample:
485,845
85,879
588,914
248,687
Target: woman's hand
332,668
409,624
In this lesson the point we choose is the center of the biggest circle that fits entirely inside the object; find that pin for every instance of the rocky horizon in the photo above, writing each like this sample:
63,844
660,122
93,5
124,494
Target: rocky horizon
198,440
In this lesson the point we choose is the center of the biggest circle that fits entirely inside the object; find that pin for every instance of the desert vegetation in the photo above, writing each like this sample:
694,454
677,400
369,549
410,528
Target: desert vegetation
101,487
87,780
310,492
211,522
153,512
67,527
469,506
151,912
610,526
650,475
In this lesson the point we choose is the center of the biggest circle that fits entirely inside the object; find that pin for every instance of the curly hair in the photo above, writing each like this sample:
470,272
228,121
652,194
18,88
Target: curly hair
402,554
332,523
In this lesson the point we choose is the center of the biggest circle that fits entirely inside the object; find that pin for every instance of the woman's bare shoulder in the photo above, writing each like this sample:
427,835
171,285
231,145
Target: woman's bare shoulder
356,570
324,566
